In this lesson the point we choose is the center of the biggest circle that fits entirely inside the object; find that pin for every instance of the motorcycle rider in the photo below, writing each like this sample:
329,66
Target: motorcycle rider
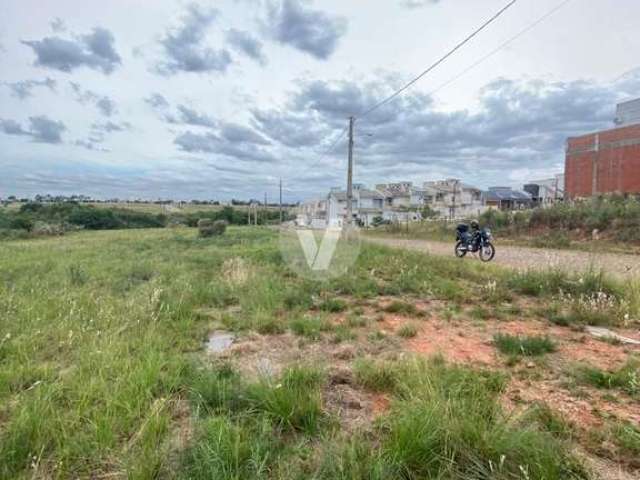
475,232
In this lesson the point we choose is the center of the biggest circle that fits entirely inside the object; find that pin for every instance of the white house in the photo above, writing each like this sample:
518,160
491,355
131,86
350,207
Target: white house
366,205
452,198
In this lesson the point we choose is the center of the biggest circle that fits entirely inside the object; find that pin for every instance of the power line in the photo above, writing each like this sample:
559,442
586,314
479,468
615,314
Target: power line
501,46
441,60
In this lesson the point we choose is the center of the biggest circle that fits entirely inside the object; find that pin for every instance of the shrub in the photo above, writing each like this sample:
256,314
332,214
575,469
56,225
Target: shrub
527,346
210,228
408,330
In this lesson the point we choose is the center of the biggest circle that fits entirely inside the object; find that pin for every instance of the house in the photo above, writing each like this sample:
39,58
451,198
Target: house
402,201
505,198
452,198
546,192
312,213
366,205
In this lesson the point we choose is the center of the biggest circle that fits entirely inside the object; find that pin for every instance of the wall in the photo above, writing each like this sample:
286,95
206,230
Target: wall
603,162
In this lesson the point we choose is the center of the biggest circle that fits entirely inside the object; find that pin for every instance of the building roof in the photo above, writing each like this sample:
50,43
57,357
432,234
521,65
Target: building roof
362,193
497,194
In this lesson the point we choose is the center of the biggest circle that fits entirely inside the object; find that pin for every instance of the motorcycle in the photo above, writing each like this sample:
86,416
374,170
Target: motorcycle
476,241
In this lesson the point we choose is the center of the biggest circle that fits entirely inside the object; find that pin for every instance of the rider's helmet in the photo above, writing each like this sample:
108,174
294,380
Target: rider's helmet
475,225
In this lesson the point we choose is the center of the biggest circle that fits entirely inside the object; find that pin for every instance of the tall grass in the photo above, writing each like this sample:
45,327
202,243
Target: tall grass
446,422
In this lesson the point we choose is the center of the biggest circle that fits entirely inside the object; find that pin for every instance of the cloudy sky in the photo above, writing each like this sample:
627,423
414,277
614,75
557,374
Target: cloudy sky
220,99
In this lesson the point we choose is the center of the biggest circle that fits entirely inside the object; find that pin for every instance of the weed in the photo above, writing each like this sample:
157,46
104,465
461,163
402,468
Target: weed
527,346
310,326
293,403
342,333
356,321
447,423
77,276
333,305
626,378
548,420
408,330
232,448
480,313
375,375
401,308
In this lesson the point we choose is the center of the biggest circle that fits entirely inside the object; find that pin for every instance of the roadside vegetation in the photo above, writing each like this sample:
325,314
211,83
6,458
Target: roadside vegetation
602,223
104,372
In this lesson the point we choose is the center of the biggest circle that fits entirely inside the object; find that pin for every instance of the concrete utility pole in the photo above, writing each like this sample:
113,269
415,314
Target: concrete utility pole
350,175
266,209
280,202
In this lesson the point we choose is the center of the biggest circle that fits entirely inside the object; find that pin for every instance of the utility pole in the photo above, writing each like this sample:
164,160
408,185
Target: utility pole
280,202
266,209
350,175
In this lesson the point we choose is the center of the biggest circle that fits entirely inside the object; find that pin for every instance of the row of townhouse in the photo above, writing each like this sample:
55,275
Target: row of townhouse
394,202
405,202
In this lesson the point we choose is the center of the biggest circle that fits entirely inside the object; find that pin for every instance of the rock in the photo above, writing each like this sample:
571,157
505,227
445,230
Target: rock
530,365
600,332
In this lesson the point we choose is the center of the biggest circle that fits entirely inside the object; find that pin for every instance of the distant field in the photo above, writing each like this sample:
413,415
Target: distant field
408,367
156,208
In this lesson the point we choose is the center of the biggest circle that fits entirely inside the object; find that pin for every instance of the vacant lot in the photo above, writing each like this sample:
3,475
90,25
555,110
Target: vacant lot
409,367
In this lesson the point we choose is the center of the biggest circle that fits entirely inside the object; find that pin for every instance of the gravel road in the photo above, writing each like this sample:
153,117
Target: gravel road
619,265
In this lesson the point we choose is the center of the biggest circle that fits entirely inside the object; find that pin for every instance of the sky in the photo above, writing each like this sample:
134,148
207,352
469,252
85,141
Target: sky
218,100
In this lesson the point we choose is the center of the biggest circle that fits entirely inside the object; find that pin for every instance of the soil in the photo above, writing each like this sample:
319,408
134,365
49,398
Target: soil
462,340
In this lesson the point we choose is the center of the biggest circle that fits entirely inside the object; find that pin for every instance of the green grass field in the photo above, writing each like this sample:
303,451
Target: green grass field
104,373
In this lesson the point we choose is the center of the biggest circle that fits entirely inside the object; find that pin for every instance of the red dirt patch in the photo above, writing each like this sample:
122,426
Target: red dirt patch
381,403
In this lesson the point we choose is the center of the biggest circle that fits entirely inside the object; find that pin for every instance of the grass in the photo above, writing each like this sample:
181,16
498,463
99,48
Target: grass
446,422
402,308
100,365
626,378
528,346
408,330
310,327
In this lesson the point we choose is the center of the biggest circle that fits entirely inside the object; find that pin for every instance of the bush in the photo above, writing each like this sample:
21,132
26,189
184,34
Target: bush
210,228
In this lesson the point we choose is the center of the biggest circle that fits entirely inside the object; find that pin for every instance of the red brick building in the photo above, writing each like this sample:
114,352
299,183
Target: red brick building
603,162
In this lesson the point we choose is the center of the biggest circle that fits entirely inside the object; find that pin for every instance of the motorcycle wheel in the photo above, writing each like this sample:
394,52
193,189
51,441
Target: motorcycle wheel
460,250
487,252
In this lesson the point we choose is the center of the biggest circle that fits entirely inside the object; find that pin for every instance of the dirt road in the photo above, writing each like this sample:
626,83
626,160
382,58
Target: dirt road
619,265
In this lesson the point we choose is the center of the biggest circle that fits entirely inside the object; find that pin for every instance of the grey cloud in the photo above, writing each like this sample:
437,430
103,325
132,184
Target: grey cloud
105,105
11,127
58,25
417,3
24,88
519,123
91,145
95,50
41,129
248,44
110,126
185,115
157,101
45,130
294,23
233,132
235,141
190,116
185,47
